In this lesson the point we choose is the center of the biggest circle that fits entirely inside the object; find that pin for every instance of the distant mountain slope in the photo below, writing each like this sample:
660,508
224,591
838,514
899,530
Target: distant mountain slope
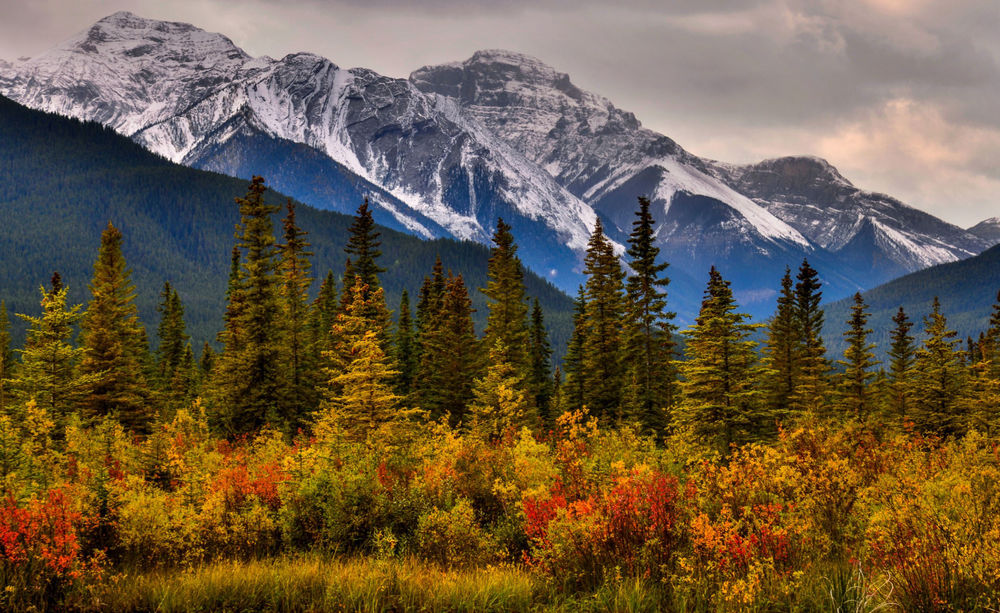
603,155
61,181
966,289
876,234
988,230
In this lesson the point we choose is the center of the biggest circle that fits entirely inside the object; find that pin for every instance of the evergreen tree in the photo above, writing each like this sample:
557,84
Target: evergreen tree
902,353
347,282
171,334
365,400
48,373
363,243
938,378
113,341
781,351
405,349
572,389
980,398
990,340
449,356
298,388
557,401
247,375
429,303
604,316
649,344
859,363
322,315
350,326
507,321
207,361
185,382
499,407
540,377
721,404
6,359
811,389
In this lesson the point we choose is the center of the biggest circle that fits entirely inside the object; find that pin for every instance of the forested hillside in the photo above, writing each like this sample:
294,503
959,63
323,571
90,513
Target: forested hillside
62,181
965,289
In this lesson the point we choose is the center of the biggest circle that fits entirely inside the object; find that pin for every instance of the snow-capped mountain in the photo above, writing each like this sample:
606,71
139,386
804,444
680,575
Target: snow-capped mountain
447,151
988,230
603,155
195,98
878,234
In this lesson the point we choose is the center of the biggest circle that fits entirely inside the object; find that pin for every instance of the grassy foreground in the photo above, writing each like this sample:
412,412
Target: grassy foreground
315,583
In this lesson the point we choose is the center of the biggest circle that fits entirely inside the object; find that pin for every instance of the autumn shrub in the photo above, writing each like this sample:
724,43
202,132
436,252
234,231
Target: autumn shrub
632,528
453,537
40,556
936,529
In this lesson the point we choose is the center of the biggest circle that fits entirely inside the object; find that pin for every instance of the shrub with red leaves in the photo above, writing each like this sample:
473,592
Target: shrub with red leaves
39,549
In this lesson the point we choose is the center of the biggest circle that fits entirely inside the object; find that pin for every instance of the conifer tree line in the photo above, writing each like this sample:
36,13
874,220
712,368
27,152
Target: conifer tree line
341,360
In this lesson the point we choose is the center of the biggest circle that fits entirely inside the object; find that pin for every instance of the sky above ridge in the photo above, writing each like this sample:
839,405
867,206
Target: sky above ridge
901,95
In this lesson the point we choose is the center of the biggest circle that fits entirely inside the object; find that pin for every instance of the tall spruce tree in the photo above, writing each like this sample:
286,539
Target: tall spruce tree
171,335
902,354
938,377
363,243
364,400
980,397
113,341
48,373
649,344
449,355
507,321
859,364
404,347
429,301
540,377
571,396
781,351
604,316
721,403
247,374
812,386
499,407
322,314
298,389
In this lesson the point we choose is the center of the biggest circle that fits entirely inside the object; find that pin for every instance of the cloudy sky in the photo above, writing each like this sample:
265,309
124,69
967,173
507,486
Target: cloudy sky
903,96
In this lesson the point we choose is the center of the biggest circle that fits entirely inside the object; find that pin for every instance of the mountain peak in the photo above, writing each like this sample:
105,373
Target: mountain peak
135,36
503,72
988,230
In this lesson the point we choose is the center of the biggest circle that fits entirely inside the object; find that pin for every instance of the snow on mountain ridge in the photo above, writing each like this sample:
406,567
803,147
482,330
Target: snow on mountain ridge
589,146
183,93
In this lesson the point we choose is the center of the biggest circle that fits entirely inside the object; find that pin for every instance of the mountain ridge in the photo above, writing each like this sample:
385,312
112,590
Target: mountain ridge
454,146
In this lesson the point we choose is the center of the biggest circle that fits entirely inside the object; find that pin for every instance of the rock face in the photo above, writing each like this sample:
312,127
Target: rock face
447,151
